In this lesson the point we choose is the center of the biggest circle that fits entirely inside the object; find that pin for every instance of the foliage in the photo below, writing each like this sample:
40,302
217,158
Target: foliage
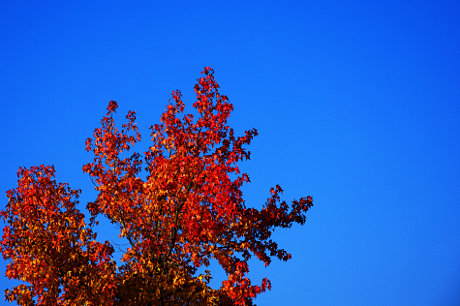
179,205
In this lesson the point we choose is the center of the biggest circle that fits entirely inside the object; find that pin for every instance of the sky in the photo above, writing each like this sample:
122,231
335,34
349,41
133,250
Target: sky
357,104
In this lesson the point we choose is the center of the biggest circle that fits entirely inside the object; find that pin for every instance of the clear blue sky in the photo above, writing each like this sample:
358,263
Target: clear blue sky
357,104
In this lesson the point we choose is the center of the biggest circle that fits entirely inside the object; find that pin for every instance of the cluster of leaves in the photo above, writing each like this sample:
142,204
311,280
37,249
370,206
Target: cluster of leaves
179,206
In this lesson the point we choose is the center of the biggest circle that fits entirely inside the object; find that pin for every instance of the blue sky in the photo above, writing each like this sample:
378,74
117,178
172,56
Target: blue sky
357,104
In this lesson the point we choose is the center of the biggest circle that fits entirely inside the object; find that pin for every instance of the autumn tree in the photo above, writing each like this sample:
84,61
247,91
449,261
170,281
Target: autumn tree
179,206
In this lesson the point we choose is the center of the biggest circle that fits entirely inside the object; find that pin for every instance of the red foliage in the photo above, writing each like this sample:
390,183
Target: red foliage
186,211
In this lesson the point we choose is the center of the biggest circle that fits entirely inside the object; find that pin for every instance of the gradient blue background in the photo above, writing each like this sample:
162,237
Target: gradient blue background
357,104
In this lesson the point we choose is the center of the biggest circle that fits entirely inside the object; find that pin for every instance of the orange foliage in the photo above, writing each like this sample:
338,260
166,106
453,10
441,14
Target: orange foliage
179,205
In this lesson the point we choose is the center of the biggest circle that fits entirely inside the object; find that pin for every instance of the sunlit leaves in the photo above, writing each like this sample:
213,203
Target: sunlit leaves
179,206
49,245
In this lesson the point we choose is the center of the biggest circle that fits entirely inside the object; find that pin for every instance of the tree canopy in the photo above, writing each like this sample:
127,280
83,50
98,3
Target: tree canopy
179,205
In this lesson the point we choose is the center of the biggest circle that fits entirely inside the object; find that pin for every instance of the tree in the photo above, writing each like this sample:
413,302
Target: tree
179,206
